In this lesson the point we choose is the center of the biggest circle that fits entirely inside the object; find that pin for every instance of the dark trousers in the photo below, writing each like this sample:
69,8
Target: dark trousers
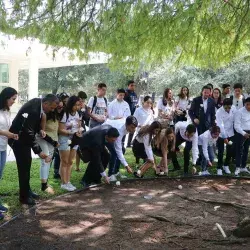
242,146
23,161
230,152
92,173
57,162
114,162
187,149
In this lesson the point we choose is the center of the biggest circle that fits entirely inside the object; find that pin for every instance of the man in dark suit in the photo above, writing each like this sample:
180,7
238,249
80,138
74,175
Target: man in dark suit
93,149
27,124
202,111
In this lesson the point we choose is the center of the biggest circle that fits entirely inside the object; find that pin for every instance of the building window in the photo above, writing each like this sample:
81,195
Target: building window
4,73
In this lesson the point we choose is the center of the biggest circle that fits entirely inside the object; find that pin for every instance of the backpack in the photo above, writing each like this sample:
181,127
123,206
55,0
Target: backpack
95,101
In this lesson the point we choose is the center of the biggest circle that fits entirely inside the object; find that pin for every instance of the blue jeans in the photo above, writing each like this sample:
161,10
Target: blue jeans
3,156
204,161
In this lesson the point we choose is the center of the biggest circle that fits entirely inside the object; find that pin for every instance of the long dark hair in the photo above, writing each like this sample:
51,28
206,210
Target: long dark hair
161,140
181,95
5,95
70,104
165,96
149,129
54,115
219,99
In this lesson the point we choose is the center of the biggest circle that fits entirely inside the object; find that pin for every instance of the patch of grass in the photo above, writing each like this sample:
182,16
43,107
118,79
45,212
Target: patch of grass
9,184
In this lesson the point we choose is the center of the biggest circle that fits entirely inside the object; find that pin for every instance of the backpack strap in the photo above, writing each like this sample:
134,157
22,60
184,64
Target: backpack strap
106,101
94,103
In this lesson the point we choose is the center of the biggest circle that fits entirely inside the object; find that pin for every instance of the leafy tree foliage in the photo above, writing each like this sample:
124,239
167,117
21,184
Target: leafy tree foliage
206,33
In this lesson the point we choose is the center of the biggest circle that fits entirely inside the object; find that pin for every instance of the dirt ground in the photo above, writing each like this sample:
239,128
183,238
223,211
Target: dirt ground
110,217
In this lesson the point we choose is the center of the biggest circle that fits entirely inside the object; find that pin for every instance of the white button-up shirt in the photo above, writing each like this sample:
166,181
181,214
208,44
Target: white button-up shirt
238,103
242,121
118,145
225,121
181,127
206,140
143,116
118,109
148,149
205,104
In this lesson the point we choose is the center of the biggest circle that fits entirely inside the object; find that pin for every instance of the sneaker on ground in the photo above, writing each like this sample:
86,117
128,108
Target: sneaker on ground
203,173
215,160
237,171
66,187
244,170
112,178
227,170
3,209
71,186
219,172
207,173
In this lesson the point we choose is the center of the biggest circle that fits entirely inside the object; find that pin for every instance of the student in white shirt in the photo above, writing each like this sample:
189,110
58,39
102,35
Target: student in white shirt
166,108
225,120
242,127
142,147
117,150
238,99
144,115
69,125
97,107
7,99
187,133
206,142
182,104
119,109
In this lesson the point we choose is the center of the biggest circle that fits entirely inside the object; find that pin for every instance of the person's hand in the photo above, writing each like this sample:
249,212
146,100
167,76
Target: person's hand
57,145
106,179
15,137
98,119
48,159
226,141
118,118
209,164
42,133
129,169
247,136
43,155
79,134
196,121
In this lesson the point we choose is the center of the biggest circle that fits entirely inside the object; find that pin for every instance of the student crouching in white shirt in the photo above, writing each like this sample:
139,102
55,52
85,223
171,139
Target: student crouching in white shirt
242,127
117,150
119,109
206,142
187,133
225,120
142,147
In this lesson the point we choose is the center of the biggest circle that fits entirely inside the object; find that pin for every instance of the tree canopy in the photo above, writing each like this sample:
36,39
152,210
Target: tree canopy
205,33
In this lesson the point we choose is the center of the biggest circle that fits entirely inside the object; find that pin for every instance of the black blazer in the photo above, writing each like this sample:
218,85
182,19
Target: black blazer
28,127
196,111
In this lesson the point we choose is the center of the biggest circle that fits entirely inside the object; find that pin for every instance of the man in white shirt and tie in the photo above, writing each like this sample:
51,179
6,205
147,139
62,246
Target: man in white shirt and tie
225,120
117,151
187,133
242,127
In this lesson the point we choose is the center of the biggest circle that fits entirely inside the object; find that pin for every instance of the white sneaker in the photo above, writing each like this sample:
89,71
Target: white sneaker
226,169
112,178
121,176
207,172
244,170
219,172
66,187
237,171
71,186
203,173
215,159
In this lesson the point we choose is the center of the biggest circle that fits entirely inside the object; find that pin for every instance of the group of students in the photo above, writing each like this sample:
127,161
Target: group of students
63,128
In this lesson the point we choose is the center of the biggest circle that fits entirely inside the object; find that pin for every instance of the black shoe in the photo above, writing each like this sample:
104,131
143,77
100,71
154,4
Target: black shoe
33,195
129,146
185,174
29,201
85,184
1,216
3,209
57,176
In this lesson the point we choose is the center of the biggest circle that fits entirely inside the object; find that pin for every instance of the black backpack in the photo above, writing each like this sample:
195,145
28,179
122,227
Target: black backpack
95,101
